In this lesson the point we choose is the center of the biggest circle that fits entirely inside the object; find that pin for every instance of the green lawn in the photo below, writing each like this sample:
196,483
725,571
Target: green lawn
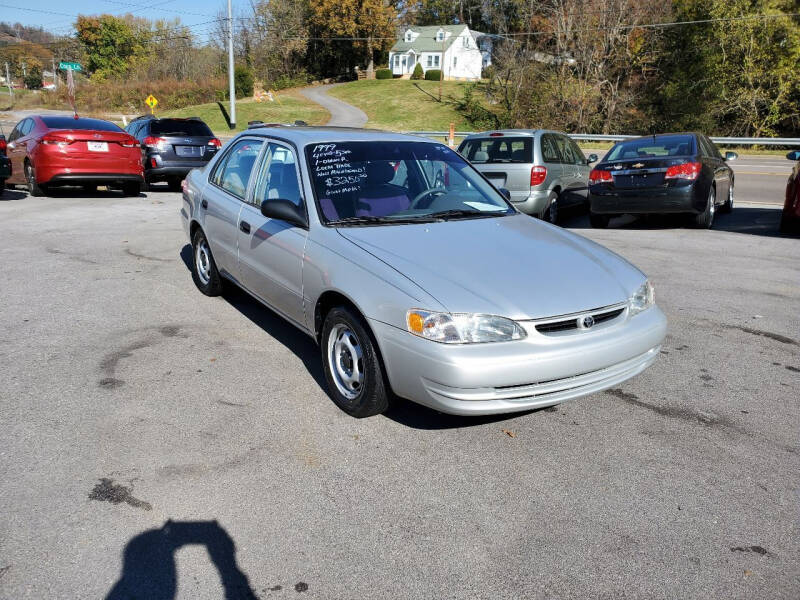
399,105
289,107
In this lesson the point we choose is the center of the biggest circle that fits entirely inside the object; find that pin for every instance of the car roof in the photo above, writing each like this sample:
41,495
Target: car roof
510,132
303,135
659,135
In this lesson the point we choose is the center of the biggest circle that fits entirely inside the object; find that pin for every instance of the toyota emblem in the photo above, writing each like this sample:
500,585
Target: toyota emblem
587,322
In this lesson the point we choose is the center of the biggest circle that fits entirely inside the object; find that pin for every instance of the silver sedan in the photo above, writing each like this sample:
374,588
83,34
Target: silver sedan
416,277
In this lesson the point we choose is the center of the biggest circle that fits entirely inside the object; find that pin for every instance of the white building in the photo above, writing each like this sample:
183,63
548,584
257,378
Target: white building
452,48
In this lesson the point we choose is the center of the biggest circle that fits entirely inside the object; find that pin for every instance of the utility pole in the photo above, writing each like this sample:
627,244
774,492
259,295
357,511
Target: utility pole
24,75
441,67
231,87
8,82
55,76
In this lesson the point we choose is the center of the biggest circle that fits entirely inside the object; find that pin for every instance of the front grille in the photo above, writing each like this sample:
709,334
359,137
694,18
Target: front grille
571,323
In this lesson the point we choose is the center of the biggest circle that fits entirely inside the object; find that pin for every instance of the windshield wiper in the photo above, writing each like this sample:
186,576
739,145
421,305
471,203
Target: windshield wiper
456,213
373,220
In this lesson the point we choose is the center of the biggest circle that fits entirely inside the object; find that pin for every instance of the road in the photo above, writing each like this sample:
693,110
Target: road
159,442
342,113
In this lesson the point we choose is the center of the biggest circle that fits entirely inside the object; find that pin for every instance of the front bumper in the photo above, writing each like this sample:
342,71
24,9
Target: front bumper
531,204
539,371
656,200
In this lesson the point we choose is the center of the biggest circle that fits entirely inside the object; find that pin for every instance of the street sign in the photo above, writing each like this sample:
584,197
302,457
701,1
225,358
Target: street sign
69,66
151,102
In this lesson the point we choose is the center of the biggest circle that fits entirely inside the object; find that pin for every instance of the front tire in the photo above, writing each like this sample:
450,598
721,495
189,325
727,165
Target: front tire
706,218
34,189
728,206
599,221
353,370
204,270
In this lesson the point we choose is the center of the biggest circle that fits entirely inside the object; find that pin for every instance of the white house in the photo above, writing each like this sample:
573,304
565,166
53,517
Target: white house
452,48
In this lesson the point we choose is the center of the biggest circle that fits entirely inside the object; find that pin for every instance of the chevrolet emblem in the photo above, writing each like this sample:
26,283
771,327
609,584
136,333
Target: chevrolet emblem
638,165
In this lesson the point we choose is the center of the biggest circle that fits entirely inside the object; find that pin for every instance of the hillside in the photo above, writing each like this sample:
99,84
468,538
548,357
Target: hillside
404,105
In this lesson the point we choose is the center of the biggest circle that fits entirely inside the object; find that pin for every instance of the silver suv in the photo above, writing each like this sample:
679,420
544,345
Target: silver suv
545,171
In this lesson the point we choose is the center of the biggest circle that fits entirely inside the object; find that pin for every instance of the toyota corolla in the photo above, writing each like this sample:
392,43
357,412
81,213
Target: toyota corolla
416,277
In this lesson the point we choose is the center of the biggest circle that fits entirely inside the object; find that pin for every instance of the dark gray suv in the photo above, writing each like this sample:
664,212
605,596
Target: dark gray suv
172,147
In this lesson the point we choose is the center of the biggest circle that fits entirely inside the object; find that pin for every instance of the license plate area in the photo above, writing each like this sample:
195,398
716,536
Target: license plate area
97,146
188,151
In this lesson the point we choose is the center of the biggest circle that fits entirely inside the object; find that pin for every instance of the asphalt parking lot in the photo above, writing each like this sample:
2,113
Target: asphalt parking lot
156,443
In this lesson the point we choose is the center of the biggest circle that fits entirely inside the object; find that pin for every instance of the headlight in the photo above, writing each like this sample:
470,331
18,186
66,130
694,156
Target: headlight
462,328
643,299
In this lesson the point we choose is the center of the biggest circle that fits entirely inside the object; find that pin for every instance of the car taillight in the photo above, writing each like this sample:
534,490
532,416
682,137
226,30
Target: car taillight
538,175
129,143
215,142
3,145
154,142
600,176
55,140
689,170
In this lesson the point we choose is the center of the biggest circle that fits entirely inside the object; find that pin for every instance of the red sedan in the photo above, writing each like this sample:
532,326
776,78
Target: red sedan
50,151
790,218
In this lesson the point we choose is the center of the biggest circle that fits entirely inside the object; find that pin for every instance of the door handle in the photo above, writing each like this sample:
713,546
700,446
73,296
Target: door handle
204,203
244,226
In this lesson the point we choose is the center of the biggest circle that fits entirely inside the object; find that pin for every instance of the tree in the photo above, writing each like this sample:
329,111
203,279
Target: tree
418,73
243,81
33,80
371,22
111,43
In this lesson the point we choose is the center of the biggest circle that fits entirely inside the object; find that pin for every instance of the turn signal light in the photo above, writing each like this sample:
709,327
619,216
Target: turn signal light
129,143
55,140
538,175
689,170
215,142
600,176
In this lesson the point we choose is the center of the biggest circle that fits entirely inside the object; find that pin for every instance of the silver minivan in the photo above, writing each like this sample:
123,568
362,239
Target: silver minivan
545,171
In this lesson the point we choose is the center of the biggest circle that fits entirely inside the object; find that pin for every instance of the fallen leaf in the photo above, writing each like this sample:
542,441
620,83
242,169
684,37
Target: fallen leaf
747,572
212,359
509,433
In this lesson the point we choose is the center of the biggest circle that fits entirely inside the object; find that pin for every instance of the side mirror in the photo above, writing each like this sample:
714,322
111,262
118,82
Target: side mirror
505,193
592,158
729,156
794,155
284,210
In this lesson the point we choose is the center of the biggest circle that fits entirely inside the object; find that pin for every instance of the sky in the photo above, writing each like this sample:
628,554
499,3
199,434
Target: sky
57,16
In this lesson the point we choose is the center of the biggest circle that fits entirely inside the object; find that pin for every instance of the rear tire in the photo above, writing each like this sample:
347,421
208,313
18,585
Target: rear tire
551,210
2,185
204,270
788,224
706,218
131,189
353,370
34,189
174,185
599,221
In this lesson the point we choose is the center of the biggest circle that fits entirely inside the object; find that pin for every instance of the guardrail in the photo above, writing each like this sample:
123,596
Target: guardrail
592,137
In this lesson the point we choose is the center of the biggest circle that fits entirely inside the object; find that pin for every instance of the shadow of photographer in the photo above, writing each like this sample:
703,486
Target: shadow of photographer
149,569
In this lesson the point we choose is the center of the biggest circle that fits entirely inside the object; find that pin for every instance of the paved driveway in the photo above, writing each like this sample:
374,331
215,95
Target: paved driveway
342,113
155,443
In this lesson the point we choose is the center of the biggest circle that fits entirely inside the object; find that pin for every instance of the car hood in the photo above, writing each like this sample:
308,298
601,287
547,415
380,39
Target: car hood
515,266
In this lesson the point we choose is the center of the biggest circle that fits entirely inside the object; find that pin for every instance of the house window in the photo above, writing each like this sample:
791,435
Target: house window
466,42
436,61
408,36
455,61
439,36
430,60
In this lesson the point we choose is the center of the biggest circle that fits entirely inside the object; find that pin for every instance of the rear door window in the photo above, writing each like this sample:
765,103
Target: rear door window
278,177
235,168
498,149
180,127
550,151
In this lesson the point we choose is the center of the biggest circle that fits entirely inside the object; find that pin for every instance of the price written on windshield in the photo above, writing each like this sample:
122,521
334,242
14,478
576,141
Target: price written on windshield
344,180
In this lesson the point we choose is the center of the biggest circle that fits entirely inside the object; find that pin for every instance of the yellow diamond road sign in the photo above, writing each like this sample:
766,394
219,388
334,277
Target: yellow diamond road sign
151,101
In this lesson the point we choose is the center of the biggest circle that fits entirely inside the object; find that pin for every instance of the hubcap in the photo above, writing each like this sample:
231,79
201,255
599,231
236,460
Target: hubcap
202,261
346,361
730,197
712,207
31,177
554,211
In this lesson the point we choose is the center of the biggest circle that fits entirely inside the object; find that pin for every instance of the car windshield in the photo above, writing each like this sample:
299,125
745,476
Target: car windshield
498,149
667,145
80,124
361,183
183,127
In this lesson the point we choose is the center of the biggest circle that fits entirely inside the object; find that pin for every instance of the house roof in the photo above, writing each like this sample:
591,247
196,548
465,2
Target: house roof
426,40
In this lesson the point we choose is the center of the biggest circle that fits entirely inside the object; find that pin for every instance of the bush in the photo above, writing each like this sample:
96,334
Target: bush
33,80
383,74
243,81
433,75
418,72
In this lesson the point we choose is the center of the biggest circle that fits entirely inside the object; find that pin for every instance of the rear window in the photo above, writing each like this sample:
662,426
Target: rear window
180,127
498,149
668,145
86,124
